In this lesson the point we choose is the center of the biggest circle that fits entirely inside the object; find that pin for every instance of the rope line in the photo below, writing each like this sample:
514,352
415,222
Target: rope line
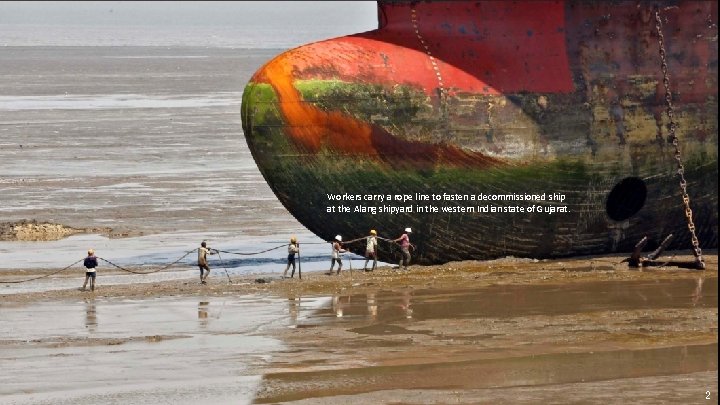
225,268
43,276
147,272
392,241
252,253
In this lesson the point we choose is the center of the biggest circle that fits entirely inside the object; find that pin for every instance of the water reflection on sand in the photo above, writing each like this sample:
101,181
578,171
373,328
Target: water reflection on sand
90,315
384,344
146,351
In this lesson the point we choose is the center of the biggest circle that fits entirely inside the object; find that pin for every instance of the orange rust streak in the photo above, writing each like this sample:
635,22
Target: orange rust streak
311,126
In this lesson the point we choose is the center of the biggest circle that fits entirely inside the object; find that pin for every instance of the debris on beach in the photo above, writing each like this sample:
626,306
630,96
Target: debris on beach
34,231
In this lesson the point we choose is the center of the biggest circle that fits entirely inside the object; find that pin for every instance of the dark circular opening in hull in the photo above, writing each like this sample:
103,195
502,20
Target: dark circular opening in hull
626,198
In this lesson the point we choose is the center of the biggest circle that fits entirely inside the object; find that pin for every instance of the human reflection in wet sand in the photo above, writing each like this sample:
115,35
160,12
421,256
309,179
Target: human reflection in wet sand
338,305
697,294
90,315
372,305
203,313
406,304
293,310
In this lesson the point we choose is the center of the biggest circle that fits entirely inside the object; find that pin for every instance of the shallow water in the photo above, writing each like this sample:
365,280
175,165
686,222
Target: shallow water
139,138
181,351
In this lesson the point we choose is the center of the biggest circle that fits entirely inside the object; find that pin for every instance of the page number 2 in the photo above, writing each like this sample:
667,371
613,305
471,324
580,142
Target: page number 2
707,394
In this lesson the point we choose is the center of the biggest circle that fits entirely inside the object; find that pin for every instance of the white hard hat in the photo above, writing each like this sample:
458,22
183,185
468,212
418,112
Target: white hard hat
338,238
408,230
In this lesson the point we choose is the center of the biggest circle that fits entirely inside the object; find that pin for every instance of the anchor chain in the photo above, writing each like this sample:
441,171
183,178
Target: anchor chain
442,90
672,138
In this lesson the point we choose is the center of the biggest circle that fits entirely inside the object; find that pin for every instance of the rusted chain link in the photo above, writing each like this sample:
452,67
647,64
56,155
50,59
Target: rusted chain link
442,90
672,138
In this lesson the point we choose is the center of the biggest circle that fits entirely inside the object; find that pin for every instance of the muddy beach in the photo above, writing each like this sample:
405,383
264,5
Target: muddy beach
584,330
508,332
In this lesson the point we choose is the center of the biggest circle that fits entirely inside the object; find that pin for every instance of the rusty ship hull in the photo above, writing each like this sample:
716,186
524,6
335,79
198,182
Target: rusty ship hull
497,98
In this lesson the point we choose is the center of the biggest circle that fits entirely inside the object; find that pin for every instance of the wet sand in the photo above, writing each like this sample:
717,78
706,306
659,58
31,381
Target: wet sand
141,140
156,350
585,330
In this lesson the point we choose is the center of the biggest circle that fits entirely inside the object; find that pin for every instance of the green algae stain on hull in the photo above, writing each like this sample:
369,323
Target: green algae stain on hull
302,181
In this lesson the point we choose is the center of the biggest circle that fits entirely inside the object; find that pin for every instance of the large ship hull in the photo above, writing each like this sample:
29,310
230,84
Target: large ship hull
497,98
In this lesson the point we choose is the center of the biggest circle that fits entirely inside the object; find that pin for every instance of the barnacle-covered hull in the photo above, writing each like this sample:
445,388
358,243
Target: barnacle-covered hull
496,98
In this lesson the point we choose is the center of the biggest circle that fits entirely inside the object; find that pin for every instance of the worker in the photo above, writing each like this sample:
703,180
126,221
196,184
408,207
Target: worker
337,249
371,250
293,248
203,251
90,264
404,241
